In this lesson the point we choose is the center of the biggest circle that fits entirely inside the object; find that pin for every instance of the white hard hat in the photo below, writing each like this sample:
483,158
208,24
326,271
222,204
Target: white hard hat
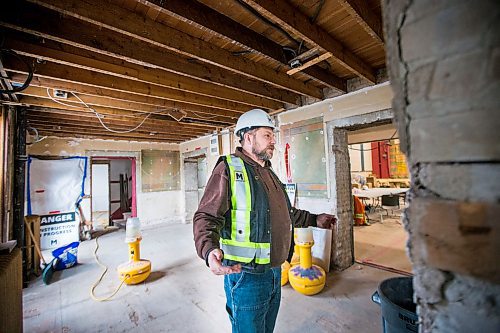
254,118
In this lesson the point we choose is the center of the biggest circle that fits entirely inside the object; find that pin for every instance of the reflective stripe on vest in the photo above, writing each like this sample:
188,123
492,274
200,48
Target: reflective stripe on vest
239,247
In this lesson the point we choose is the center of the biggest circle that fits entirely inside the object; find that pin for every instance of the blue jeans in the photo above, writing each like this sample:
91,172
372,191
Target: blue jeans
253,300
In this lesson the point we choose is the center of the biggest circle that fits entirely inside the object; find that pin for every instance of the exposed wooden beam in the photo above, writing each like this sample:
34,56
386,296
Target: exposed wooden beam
76,132
286,15
127,117
44,23
370,22
97,101
44,118
107,65
116,18
172,115
197,13
154,122
6,85
99,96
81,76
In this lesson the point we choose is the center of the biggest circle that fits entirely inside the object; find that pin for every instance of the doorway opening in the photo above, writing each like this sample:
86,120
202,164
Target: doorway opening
113,191
195,176
380,181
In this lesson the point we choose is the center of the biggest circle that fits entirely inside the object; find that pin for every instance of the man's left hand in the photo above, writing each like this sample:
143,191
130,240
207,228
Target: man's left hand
326,221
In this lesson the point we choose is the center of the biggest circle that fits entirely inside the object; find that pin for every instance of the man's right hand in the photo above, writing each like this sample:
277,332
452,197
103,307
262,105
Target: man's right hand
215,263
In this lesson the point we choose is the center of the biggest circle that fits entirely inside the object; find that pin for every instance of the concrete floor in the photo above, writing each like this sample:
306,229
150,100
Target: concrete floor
383,242
182,295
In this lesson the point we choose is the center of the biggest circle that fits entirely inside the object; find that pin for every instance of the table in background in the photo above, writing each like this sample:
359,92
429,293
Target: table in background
377,193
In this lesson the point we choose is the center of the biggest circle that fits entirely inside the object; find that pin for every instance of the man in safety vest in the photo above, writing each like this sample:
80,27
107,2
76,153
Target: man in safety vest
244,224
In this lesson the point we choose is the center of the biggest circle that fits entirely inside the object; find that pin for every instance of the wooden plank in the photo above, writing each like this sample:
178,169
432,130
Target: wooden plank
94,101
198,129
66,135
84,116
310,63
203,16
99,80
77,131
156,125
107,65
149,125
365,17
92,127
109,16
78,34
111,113
284,14
99,96
95,130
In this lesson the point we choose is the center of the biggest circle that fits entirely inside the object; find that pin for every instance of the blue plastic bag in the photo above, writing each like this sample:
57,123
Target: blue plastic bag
66,256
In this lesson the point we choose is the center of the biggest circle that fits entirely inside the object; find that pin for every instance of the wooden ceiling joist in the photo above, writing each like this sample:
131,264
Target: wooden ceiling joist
99,80
205,17
365,17
78,132
97,101
135,72
116,18
102,41
42,118
98,96
170,114
284,14
188,68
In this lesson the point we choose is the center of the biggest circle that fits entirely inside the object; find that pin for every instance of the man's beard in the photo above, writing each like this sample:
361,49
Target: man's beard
263,154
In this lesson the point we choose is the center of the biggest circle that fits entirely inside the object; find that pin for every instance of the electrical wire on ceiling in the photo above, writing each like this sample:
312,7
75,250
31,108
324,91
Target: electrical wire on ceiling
62,103
280,29
37,136
100,116
267,21
29,68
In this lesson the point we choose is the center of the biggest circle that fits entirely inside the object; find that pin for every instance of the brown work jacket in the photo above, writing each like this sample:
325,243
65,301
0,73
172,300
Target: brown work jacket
216,201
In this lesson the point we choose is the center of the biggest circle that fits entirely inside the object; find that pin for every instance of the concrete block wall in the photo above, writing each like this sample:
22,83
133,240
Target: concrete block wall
443,61
342,248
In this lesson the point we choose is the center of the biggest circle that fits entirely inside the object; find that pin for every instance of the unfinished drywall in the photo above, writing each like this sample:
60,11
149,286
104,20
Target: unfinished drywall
443,60
152,207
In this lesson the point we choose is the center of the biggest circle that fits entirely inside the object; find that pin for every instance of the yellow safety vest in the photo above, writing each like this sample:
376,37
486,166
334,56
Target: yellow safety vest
239,247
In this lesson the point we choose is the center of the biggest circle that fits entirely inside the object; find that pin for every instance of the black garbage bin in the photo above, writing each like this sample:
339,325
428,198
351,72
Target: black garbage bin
395,297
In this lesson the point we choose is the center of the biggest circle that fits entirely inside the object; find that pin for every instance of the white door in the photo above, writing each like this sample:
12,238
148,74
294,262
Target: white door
100,195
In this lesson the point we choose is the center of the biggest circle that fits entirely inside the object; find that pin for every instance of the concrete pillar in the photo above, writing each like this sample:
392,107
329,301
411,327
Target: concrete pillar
444,65
340,174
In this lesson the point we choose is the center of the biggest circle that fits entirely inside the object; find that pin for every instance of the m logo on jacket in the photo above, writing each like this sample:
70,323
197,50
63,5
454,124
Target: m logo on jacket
239,176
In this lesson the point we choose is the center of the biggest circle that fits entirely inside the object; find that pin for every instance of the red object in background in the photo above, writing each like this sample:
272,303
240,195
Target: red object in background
287,163
380,159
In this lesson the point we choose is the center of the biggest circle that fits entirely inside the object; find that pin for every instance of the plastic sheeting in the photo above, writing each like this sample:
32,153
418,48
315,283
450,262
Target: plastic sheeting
54,190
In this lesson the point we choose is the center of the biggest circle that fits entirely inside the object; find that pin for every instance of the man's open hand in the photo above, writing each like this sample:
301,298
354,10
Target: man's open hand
215,263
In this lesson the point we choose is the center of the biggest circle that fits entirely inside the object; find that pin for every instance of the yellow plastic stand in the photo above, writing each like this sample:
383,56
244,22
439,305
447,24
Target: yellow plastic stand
306,278
285,267
136,270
